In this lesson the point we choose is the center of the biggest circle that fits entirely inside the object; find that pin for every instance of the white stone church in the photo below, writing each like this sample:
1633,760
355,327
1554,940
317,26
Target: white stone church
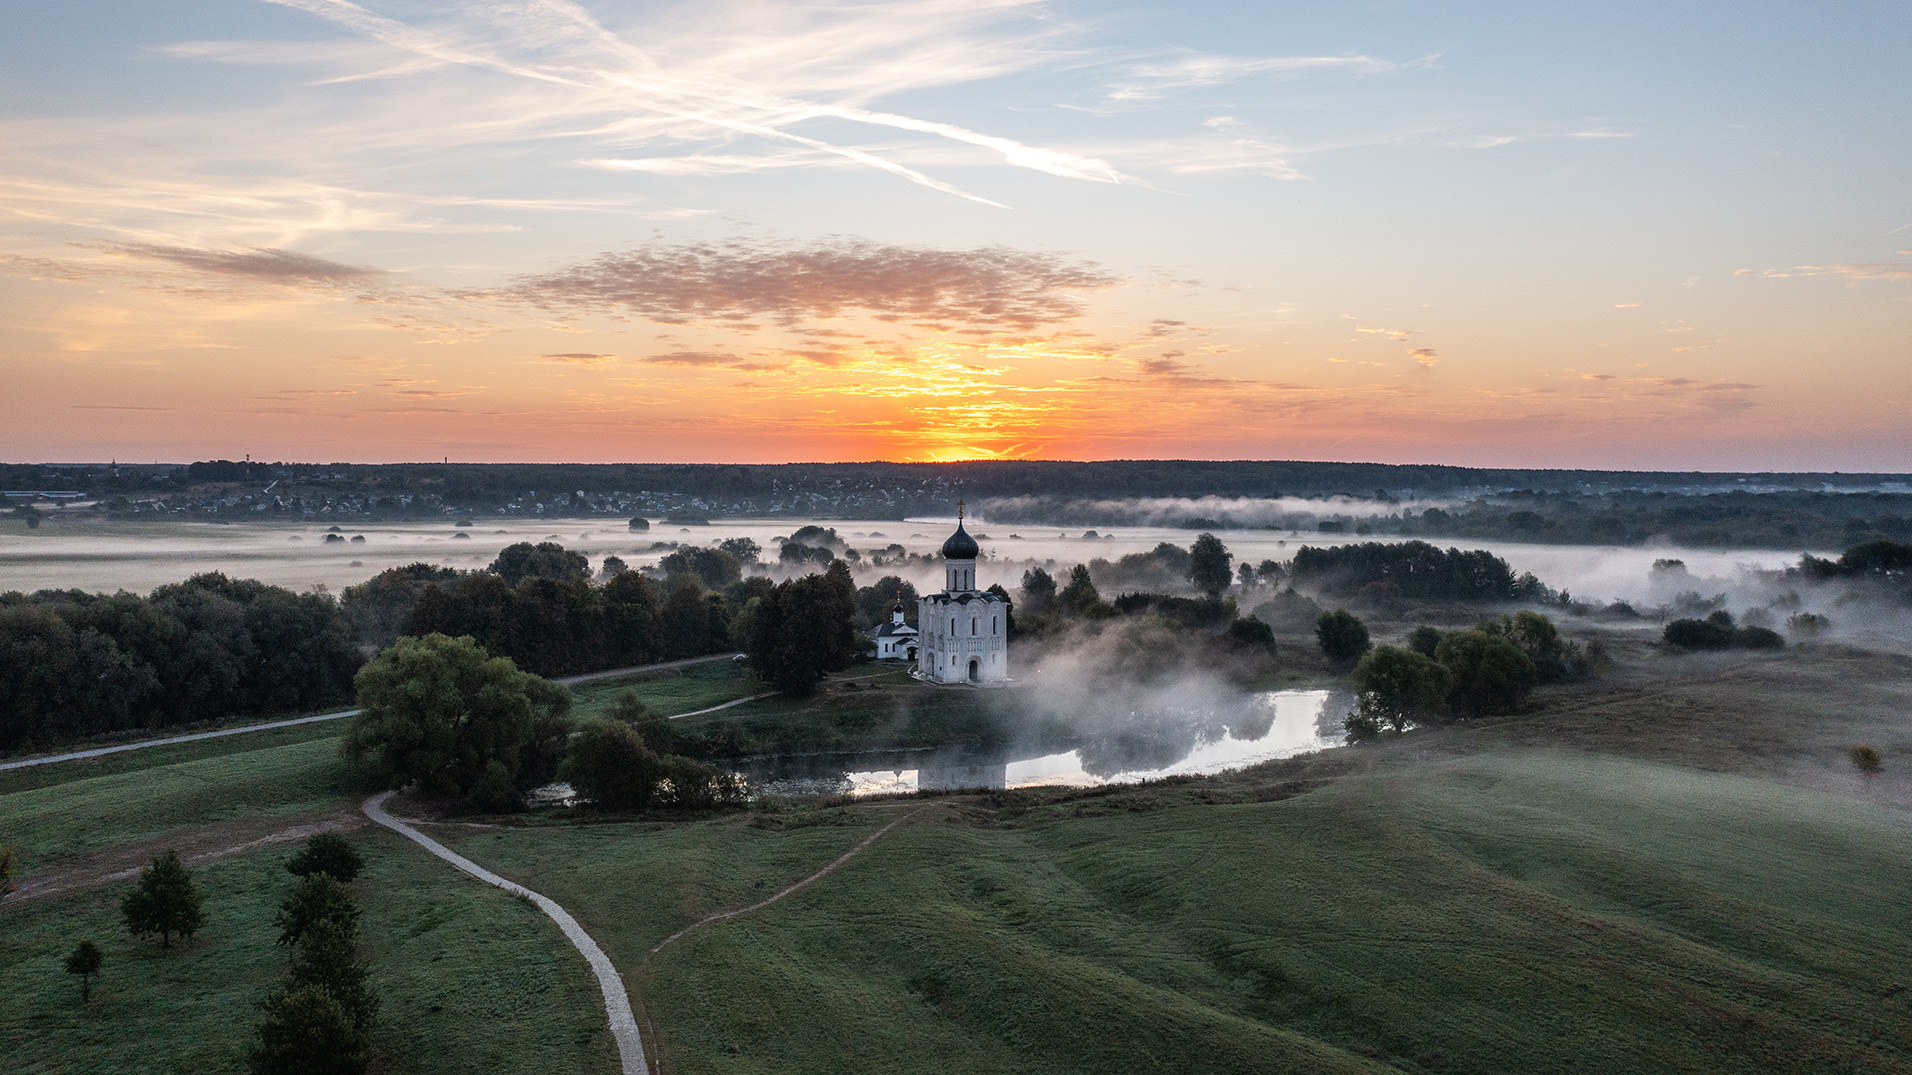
962,634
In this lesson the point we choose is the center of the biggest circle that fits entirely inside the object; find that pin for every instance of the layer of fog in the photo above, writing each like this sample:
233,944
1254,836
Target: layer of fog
140,557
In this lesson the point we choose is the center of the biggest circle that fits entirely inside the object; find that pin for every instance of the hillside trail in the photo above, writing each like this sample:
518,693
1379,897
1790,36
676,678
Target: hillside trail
617,1002
196,846
788,889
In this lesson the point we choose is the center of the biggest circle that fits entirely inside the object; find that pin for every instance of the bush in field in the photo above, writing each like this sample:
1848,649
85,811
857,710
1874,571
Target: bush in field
690,784
610,765
1490,674
1424,640
319,901
1555,659
85,961
1867,759
1397,688
1716,631
443,713
328,853
1251,633
165,902
1342,637
307,1032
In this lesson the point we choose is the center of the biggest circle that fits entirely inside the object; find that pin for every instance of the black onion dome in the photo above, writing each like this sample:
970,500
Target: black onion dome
960,545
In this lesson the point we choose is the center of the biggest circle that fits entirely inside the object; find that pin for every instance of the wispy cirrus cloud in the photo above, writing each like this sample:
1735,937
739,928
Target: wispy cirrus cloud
1160,78
1878,270
993,288
703,81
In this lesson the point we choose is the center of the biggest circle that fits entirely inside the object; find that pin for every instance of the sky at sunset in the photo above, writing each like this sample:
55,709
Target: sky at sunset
1643,235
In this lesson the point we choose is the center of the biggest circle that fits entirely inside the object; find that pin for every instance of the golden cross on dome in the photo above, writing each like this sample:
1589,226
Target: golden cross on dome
959,511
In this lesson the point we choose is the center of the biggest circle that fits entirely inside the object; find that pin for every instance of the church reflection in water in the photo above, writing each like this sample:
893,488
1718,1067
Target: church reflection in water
1273,724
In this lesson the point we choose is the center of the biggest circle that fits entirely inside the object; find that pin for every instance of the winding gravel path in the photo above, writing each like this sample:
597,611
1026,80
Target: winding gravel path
617,1003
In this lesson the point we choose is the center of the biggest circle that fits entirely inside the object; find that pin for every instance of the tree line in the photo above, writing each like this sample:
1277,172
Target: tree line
79,664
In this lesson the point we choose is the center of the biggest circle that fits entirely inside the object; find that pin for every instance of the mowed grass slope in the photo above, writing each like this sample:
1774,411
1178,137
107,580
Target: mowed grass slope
89,813
1507,914
471,979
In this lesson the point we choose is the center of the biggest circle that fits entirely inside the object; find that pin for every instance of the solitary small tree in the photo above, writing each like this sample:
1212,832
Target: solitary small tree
1342,637
9,862
327,852
1038,591
1208,568
1867,759
165,902
85,961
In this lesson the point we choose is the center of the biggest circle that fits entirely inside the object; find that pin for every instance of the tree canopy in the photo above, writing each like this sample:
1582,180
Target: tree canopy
1208,564
443,713
166,901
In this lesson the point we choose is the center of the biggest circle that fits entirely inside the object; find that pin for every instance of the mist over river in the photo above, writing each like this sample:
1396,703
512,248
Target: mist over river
105,556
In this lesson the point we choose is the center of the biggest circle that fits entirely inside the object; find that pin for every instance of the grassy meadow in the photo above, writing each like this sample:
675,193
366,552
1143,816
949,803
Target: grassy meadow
1673,868
1534,912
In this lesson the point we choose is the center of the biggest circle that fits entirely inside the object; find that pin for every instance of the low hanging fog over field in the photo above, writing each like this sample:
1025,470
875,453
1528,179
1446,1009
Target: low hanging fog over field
104,557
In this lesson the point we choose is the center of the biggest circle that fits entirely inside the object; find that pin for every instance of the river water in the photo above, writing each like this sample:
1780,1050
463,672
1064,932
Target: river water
1270,725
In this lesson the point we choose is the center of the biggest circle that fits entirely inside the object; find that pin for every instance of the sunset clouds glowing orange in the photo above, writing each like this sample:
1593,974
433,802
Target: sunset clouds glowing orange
930,230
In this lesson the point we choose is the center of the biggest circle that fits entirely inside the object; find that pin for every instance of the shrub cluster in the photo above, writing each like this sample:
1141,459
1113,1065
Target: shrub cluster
1717,632
1489,670
622,763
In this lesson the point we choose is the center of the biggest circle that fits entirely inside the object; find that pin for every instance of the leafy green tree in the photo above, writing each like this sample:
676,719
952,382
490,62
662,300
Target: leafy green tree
1038,592
630,620
715,568
1208,565
326,958
746,550
306,1031
803,630
319,898
1867,759
874,602
165,902
1424,640
85,961
684,622
610,765
1079,597
1341,635
1396,688
1251,633
1555,659
546,559
443,713
327,853
640,524
1491,674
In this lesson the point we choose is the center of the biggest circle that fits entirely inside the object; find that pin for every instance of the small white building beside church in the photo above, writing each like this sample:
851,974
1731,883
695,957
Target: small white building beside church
963,632
895,640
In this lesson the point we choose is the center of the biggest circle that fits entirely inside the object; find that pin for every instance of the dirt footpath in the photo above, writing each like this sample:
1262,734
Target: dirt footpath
196,846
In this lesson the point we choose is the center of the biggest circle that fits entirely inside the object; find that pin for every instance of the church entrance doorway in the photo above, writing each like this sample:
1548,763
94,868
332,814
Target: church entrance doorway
975,670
